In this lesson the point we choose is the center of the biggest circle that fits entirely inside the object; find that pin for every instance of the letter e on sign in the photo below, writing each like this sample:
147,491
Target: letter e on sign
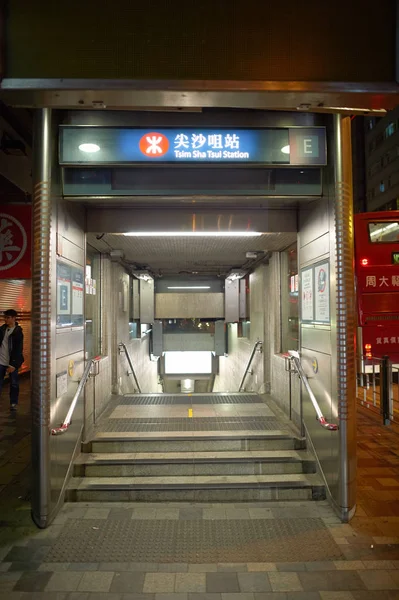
307,146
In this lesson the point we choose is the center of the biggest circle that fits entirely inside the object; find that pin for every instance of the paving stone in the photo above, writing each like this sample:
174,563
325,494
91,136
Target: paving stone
167,513
112,566
96,513
159,583
302,596
65,581
172,568
288,566
349,565
226,567
320,566
377,564
261,567
96,581
133,596
190,582
336,596
322,580
32,582
285,582
24,566
145,567
378,580
204,596
254,582
182,596
202,568
271,596
128,582
86,567
190,514
222,582
241,596
54,567
144,513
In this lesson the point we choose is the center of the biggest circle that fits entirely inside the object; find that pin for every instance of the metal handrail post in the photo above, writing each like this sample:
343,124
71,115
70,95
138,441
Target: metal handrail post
295,358
129,360
385,389
258,343
68,419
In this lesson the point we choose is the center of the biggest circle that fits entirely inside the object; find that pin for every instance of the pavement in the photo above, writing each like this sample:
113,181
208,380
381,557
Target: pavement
365,553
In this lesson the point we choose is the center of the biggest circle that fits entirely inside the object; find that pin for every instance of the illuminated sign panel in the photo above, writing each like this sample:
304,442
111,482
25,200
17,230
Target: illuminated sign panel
116,145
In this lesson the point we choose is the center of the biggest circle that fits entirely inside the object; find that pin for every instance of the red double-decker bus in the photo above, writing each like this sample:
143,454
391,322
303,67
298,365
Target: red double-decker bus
377,284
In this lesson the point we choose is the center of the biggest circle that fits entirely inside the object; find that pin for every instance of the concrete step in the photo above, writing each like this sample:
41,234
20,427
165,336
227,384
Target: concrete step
142,464
234,488
199,441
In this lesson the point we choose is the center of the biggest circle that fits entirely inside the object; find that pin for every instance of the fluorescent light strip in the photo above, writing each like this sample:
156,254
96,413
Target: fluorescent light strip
193,233
383,229
189,287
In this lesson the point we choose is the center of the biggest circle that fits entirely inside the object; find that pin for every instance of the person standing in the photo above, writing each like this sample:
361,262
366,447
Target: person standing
11,357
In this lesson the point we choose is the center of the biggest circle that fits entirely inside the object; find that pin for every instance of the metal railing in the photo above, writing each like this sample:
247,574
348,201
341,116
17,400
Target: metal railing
257,345
377,387
122,347
68,419
294,359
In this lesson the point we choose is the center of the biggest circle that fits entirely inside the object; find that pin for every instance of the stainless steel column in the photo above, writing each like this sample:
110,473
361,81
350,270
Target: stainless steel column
41,316
346,315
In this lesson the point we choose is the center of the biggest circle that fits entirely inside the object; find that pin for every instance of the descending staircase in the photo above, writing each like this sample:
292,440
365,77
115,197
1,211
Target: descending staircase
152,459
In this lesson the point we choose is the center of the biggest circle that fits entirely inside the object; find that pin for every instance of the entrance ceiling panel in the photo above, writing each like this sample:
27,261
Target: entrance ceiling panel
124,220
182,255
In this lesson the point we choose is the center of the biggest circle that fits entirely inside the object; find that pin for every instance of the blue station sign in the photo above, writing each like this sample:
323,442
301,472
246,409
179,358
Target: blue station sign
118,146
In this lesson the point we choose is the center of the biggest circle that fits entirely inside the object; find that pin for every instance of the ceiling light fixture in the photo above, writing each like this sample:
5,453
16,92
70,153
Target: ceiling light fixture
193,233
285,149
144,275
236,274
189,287
89,147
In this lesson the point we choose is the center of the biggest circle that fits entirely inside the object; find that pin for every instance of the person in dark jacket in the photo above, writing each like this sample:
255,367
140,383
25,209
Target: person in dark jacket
11,357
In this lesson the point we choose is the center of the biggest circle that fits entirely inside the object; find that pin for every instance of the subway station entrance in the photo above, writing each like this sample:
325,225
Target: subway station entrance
197,308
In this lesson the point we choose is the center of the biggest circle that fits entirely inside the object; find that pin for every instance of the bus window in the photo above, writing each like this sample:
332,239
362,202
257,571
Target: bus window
384,231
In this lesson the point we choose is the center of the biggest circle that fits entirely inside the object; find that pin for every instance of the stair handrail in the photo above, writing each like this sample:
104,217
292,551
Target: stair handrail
296,360
129,360
68,419
257,345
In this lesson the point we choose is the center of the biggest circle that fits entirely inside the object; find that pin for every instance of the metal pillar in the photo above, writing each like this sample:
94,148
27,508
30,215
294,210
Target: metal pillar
41,316
346,322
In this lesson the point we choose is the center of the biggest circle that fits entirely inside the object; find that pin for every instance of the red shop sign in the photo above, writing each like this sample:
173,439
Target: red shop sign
15,241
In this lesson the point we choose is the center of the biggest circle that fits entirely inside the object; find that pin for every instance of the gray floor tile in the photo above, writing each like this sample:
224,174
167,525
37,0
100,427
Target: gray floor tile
254,582
133,596
113,566
320,566
285,582
33,582
96,581
237,567
205,596
288,566
125,582
240,596
202,568
175,596
24,566
172,568
86,567
191,514
322,580
306,596
159,583
378,580
222,582
190,582
270,596
66,581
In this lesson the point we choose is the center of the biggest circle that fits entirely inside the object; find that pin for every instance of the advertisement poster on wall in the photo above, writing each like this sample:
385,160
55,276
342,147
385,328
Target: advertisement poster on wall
322,297
77,292
307,295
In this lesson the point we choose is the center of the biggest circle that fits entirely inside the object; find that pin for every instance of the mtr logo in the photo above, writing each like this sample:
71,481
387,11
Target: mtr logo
154,145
